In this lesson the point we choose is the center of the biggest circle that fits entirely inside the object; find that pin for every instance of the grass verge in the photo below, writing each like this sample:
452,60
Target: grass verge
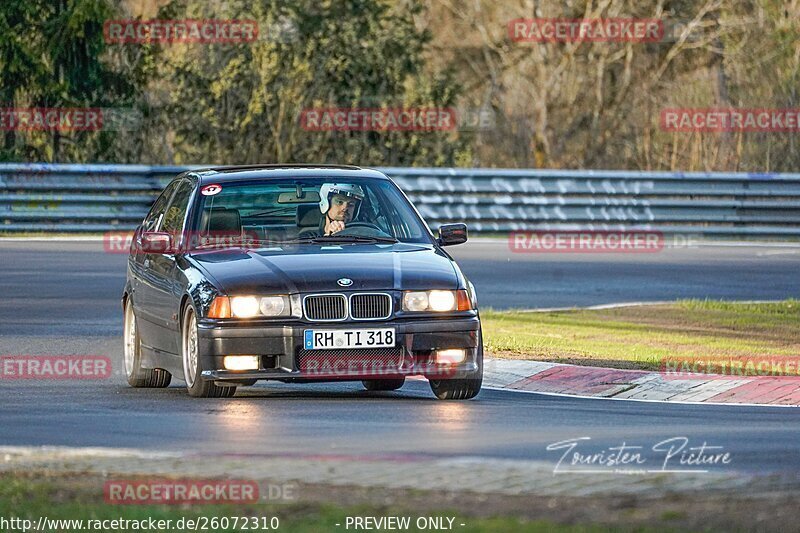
642,337
64,500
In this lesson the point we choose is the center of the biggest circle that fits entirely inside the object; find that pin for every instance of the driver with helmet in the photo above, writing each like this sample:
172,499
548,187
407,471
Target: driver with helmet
339,203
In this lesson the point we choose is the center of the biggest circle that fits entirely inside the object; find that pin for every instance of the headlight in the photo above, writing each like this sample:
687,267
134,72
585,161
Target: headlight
436,301
415,301
251,306
274,305
244,306
442,300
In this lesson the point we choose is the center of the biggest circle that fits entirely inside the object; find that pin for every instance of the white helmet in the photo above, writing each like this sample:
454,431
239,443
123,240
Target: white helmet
347,189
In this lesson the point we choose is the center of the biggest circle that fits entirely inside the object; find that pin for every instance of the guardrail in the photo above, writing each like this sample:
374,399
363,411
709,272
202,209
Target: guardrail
96,198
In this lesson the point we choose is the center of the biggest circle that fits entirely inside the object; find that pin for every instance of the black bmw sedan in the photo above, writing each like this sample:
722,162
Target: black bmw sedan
296,273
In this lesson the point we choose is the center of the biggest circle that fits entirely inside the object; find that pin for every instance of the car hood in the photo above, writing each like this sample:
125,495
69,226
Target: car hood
317,268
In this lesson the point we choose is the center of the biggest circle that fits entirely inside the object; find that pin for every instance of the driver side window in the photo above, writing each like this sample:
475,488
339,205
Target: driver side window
176,212
153,219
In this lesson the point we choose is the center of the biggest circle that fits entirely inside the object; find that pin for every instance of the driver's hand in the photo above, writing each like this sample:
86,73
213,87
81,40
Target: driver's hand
335,226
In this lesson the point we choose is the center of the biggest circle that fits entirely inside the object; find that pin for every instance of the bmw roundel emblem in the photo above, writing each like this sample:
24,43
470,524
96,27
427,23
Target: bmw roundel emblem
345,282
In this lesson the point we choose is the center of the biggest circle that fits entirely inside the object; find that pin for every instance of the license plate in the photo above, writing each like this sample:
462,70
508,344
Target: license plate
335,339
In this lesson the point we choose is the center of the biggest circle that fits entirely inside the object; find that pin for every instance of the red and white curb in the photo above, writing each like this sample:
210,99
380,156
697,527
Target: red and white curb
594,382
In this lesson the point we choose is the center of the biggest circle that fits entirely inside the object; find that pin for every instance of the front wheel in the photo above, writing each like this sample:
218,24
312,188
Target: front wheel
137,376
192,364
456,389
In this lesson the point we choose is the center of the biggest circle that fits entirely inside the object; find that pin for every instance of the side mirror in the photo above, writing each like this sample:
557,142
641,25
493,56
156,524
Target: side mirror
450,234
155,242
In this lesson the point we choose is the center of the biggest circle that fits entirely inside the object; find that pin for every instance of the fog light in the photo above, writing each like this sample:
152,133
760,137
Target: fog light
240,362
450,357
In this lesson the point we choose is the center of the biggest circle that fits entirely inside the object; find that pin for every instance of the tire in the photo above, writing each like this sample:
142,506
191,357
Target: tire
137,376
383,384
192,363
461,389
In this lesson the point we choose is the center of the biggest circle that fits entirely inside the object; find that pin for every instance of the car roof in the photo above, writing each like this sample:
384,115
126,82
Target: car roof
229,174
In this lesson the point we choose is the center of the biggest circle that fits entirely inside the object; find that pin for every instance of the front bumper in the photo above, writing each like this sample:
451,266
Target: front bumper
279,348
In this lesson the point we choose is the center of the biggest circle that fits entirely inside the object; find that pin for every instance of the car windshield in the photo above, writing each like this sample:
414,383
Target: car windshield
307,210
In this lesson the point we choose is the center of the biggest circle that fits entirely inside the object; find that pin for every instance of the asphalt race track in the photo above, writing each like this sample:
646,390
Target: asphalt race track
45,283
63,298
505,279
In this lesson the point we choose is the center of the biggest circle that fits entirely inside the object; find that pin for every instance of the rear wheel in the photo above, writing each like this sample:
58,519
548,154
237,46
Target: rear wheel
461,389
192,363
383,384
132,352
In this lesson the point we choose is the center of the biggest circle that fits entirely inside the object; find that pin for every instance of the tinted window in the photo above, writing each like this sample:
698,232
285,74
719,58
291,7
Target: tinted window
176,212
153,218
277,210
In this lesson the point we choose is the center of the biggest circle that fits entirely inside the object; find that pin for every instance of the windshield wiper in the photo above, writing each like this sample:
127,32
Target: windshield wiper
325,239
220,245
244,243
340,238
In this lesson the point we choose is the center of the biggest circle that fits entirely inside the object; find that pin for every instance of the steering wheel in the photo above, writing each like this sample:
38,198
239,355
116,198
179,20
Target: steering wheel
361,226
